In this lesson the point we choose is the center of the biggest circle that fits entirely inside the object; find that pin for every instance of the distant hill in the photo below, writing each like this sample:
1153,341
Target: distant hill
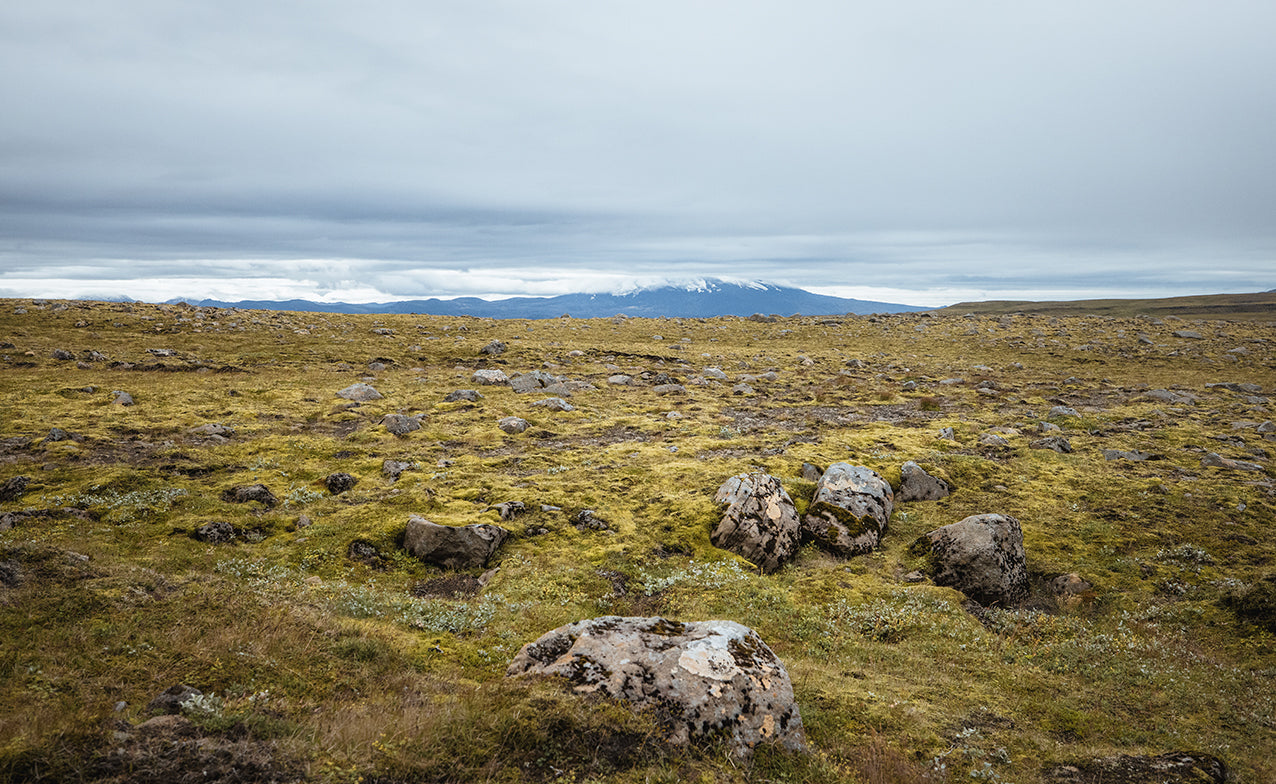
706,299
1239,307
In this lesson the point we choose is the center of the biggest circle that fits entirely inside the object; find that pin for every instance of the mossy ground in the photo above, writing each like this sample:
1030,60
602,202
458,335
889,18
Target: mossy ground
328,667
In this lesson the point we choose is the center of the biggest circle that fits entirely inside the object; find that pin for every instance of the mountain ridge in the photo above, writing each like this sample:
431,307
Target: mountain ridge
707,299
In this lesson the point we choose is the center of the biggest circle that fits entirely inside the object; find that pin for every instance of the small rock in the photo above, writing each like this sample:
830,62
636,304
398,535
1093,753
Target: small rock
1188,334
170,700
394,468
359,392
490,377
620,380
1136,456
1070,584
14,488
304,521
587,520
742,389
401,425
1063,411
947,434
122,398
494,348
1048,427
510,509
1056,443
1232,386
714,374
1166,396
1214,460
245,493
811,472
669,389
917,485
216,532
513,425
62,354
463,394
339,483
993,440
555,404
914,577
211,429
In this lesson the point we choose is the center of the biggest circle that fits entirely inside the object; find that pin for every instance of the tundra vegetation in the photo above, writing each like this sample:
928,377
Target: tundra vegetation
139,554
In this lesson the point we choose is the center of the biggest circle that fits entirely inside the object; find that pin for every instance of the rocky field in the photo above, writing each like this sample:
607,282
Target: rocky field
252,546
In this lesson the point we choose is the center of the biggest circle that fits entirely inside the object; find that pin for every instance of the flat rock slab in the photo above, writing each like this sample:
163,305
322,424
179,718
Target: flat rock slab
707,679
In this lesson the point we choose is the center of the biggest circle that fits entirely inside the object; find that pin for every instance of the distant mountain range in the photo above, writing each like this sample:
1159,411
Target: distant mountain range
705,299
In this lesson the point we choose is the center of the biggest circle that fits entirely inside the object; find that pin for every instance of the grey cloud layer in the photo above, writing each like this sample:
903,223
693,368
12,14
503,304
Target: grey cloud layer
963,144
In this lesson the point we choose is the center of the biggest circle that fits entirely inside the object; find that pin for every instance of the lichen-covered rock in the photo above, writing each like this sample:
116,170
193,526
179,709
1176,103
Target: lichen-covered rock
490,377
512,424
760,522
453,547
917,485
494,348
982,556
707,679
469,395
850,511
1055,443
359,392
401,425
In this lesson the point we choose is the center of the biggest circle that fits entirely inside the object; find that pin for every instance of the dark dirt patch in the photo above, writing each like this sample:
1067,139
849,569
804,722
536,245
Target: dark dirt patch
450,587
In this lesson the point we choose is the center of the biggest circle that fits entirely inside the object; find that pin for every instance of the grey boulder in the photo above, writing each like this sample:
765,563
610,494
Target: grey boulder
982,556
359,392
760,522
850,511
917,485
701,680
453,547
401,425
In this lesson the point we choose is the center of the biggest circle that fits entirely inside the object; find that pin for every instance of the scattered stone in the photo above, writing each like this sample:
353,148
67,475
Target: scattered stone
170,700
811,472
1166,396
244,493
742,389
401,425
669,389
1048,427
555,404
714,374
947,434
620,380
1231,386
1071,584
212,429
365,552
917,485
216,532
914,577
339,482
1266,428
494,348
1056,443
57,434
10,573
674,415
707,679
760,522
993,440
304,521
122,398
490,377
453,547
982,556
462,394
376,367
587,520
1180,767
510,509
1062,411
513,425
13,488
850,510
395,468
1188,334
1137,456
360,392
1215,460
62,354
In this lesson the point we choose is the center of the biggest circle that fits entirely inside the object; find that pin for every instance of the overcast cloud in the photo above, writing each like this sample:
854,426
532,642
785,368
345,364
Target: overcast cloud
919,152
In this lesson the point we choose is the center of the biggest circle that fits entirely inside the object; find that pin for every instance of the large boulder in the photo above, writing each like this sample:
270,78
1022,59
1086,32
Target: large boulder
453,547
917,485
760,522
850,510
982,556
707,679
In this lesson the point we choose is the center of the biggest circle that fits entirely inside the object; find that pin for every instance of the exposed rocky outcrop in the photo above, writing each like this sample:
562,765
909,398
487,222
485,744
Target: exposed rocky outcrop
760,522
453,547
701,680
982,556
850,511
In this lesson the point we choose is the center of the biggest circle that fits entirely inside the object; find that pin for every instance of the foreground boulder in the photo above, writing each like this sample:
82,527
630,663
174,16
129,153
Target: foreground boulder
760,522
981,556
707,679
453,547
850,510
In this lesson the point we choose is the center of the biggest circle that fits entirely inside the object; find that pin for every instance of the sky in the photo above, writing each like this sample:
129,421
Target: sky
913,151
